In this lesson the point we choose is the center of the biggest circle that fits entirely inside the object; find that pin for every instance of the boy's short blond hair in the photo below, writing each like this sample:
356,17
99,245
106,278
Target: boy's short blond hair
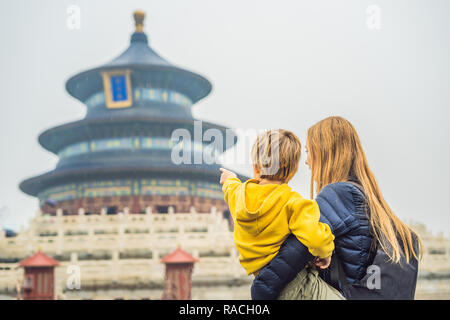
276,153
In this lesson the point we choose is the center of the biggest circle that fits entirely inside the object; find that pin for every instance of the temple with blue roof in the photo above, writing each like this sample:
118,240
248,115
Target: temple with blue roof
119,155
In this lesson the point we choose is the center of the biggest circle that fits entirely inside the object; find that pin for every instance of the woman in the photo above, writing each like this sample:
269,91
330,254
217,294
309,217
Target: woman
352,205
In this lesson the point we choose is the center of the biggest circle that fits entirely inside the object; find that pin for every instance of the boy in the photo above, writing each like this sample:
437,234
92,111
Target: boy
265,210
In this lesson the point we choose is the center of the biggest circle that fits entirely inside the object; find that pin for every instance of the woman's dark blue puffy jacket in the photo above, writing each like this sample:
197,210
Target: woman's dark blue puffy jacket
342,207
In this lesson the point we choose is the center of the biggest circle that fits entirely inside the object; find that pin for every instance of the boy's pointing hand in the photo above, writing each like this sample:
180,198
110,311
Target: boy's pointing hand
226,174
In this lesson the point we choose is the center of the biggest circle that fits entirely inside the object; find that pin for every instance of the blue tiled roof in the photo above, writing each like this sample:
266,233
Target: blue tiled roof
140,56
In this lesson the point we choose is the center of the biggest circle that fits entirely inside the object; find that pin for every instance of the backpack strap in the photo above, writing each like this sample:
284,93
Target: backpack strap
334,272
337,274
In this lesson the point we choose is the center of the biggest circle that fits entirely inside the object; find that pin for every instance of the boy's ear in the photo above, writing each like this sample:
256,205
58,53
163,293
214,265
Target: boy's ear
256,170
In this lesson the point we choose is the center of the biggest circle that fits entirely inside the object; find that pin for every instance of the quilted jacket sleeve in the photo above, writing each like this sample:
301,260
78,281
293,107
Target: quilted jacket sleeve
290,260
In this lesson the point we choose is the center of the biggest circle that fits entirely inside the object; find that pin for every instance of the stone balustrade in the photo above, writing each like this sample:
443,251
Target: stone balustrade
118,238
126,248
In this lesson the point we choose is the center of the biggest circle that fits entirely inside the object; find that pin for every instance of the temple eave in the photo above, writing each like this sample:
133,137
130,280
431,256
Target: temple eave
34,185
54,139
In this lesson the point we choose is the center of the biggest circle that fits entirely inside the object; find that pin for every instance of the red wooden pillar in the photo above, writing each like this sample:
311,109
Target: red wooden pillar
39,277
135,204
178,277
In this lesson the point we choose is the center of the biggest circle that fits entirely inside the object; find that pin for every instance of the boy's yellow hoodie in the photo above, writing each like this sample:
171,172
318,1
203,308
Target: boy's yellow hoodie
264,215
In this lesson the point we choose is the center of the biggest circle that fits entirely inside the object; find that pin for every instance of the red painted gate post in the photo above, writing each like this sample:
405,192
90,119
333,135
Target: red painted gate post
178,277
39,277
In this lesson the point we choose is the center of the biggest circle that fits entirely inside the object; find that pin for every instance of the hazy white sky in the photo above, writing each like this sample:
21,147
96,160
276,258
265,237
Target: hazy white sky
273,64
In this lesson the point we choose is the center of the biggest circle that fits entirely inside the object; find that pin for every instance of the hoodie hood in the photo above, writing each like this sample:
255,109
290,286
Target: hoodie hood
260,204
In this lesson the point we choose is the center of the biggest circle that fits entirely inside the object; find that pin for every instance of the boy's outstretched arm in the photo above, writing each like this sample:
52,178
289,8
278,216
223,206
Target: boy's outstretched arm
230,184
304,224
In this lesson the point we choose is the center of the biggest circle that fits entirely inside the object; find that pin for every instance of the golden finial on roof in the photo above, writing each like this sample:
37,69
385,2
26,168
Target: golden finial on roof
139,17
